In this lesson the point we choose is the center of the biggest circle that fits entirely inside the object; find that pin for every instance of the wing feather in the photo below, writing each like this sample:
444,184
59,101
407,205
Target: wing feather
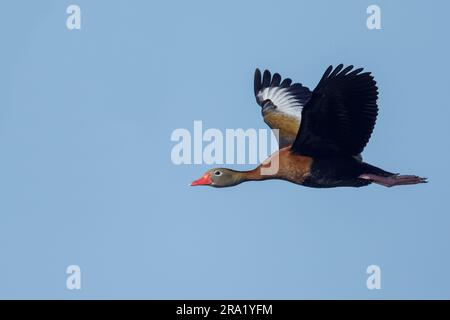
281,103
340,115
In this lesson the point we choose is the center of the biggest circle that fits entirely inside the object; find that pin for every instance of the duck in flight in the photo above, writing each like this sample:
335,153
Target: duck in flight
321,134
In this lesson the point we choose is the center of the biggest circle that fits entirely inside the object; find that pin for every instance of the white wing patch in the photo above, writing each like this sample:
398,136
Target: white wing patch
285,101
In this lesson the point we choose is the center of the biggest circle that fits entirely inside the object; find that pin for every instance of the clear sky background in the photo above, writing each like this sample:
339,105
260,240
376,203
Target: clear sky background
86,176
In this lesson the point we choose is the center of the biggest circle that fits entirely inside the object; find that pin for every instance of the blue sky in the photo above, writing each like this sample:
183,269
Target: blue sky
86,176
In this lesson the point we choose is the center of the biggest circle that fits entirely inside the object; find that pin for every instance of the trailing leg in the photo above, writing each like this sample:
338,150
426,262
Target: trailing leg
393,180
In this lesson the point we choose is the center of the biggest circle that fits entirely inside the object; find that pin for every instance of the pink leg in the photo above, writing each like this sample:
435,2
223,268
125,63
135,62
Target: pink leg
395,180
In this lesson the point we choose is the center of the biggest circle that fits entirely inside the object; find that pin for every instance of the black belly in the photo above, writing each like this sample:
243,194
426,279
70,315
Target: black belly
337,172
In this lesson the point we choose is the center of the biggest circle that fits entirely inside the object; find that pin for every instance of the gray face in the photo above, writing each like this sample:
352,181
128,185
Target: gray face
222,177
219,178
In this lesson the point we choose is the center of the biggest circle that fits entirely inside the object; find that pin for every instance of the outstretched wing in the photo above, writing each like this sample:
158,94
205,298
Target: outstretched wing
281,103
340,115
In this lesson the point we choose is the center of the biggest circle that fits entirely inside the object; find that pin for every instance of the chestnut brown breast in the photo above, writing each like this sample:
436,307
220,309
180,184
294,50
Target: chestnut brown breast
291,167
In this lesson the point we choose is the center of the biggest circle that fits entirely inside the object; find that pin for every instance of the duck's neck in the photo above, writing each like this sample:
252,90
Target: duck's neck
250,175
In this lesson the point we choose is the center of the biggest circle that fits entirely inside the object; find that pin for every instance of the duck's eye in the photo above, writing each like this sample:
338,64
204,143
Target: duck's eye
217,173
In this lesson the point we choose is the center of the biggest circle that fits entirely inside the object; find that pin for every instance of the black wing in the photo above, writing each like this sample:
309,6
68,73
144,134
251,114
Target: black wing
340,115
281,103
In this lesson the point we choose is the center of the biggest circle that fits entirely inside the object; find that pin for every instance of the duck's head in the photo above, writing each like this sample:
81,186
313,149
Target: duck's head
219,178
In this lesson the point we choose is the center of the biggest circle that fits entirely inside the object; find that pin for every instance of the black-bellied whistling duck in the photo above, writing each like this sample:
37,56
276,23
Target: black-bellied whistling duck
321,133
